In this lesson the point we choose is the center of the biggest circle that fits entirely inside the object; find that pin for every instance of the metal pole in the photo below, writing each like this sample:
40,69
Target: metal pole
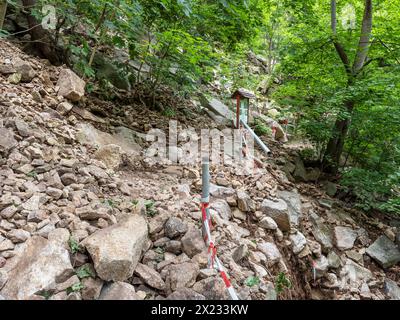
206,185
258,140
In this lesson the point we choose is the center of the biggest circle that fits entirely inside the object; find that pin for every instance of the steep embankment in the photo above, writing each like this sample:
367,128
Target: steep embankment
84,216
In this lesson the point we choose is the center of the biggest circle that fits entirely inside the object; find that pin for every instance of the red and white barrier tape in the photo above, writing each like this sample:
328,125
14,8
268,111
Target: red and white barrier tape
213,261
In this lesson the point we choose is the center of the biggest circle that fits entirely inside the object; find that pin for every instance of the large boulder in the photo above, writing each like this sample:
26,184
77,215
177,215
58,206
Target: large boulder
116,250
277,210
384,251
70,85
37,269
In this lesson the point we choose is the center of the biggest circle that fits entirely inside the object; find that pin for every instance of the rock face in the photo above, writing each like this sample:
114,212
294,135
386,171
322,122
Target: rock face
39,267
384,251
116,250
277,210
110,155
119,291
70,85
345,237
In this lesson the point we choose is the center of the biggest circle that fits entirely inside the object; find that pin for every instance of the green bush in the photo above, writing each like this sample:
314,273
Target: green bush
260,128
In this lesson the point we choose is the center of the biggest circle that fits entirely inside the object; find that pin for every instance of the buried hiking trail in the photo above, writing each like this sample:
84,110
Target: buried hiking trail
80,202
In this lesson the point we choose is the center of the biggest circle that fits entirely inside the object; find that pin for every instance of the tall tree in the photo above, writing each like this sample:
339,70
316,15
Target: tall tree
335,145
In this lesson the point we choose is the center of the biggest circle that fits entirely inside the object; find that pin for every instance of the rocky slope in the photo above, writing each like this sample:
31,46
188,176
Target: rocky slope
82,216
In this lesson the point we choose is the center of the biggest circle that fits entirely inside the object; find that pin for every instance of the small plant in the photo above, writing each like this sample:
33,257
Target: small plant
84,272
32,174
135,202
110,202
45,294
150,210
261,128
169,112
75,288
252,281
282,283
74,245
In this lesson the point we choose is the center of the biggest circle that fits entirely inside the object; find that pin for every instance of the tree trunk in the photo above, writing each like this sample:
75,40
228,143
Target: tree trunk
335,145
3,10
42,38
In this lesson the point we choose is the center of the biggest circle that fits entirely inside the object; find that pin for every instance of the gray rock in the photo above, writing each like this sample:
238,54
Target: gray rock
181,275
70,85
220,192
345,237
384,251
299,241
7,140
119,291
392,289
91,288
25,69
116,250
39,266
175,227
269,290
110,155
321,232
240,253
268,223
212,289
222,208
354,274
192,242
294,205
150,276
18,235
244,201
277,210
334,260
271,251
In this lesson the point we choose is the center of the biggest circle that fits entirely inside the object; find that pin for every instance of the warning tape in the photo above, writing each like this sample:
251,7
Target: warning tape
213,261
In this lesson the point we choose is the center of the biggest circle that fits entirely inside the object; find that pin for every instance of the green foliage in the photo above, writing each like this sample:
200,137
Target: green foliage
260,128
151,211
252,281
282,283
74,245
85,272
32,174
169,112
372,189
75,288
